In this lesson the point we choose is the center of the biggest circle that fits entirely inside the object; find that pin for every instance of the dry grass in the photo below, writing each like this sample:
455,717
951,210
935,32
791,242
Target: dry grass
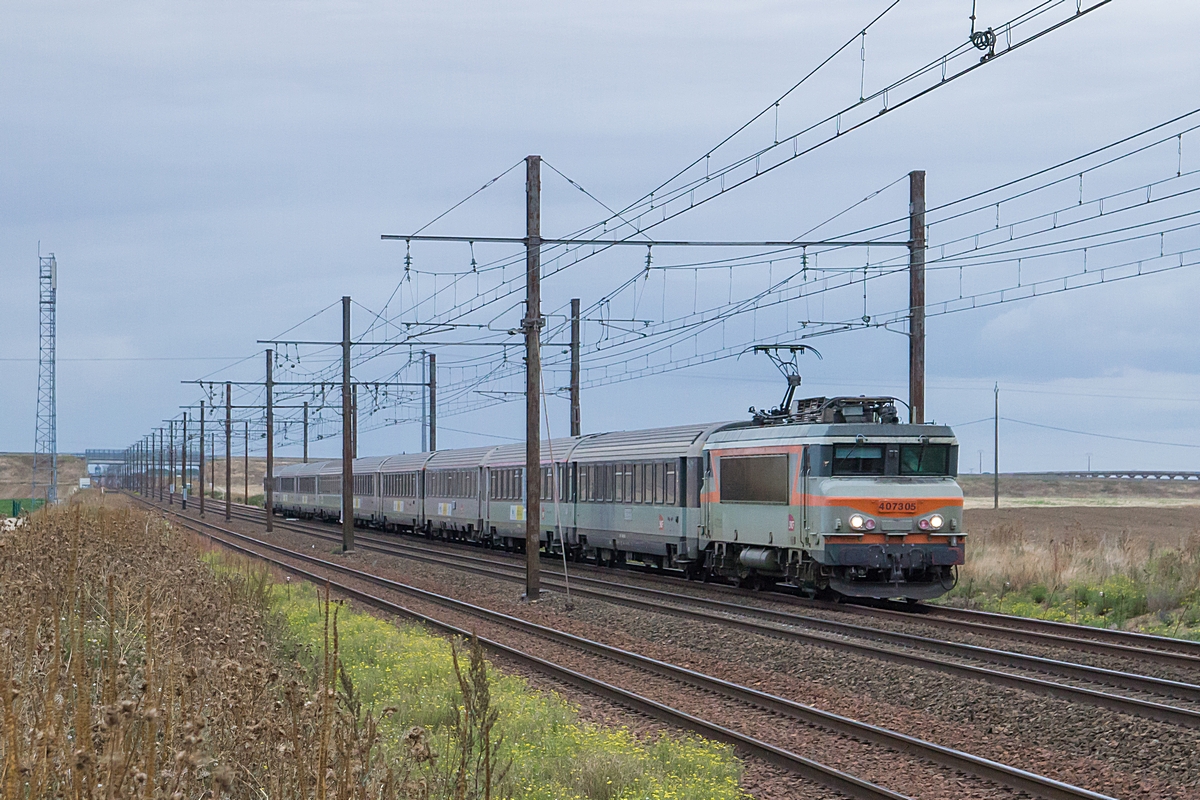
135,662
131,669
1114,578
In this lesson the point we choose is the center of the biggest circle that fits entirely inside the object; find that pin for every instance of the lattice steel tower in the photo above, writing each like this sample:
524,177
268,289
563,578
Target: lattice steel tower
45,445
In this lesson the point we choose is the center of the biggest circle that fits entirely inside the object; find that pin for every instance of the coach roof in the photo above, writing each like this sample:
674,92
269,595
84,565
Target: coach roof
645,445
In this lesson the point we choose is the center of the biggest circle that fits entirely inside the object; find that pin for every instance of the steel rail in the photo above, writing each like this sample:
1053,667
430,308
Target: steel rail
1138,707
1110,677
1029,625
1021,780
1182,656
835,779
1098,641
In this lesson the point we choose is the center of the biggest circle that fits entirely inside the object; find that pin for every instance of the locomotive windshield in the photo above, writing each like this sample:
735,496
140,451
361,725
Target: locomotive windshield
885,458
925,459
857,459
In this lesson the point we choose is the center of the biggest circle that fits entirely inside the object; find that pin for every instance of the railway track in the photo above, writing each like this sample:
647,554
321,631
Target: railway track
891,646
1145,648
1085,638
839,780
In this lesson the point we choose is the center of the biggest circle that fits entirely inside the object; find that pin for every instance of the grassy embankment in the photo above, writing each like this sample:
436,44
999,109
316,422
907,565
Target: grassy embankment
134,664
1115,580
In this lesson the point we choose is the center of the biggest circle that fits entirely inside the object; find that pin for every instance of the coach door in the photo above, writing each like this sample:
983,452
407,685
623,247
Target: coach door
805,469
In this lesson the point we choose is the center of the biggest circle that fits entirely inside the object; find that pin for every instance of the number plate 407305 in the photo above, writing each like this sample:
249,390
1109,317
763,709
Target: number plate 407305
897,507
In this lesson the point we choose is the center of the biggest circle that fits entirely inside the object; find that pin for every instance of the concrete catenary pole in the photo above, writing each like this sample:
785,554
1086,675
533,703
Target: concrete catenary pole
424,404
200,473
161,459
305,431
183,459
269,479
347,436
228,450
916,297
432,402
533,374
576,422
246,463
171,458
996,452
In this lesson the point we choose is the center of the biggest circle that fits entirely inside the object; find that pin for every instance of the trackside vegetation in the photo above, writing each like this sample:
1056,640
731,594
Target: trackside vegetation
539,748
137,663
1108,583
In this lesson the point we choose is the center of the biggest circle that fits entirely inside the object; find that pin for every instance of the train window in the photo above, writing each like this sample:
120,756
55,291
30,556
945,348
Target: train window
754,479
925,459
626,483
329,484
672,485
639,482
857,459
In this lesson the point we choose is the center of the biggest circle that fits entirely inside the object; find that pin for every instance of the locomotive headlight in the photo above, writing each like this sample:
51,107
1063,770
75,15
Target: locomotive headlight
857,522
936,522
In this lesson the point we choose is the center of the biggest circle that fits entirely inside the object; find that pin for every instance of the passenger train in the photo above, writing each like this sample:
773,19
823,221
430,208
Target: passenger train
831,496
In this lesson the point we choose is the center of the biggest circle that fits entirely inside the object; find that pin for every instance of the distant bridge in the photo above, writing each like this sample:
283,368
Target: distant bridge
105,456
1120,475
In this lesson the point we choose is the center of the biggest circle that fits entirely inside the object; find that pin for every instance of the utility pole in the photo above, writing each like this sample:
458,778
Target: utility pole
228,449
183,455
200,474
305,431
576,424
160,465
996,453
269,481
212,465
432,401
533,375
916,297
354,426
246,465
347,436
171,458
424,404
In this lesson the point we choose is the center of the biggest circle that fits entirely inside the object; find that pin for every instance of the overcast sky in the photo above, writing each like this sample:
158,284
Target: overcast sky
210,174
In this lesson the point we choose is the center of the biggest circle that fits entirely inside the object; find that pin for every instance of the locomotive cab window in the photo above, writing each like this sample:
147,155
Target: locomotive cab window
754,479
925,459
857,459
